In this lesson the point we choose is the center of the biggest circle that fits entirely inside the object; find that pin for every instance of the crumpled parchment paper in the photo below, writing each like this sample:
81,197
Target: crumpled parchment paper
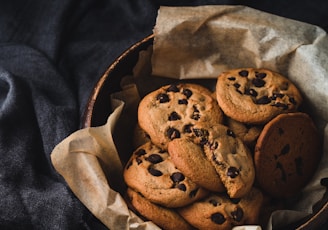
198,43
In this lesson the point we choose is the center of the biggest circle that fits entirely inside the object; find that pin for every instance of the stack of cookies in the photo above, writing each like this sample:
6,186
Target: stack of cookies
206,160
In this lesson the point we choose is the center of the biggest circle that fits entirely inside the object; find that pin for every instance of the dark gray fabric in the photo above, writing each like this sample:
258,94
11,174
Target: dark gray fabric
51,55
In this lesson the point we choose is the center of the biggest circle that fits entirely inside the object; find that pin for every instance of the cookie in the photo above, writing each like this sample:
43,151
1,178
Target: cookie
229,156
166,112
219,212
191,160
287,154
246,132
255,96
165,218
151,172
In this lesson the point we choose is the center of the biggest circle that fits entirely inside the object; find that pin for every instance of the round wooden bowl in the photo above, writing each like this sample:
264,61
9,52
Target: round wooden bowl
98,109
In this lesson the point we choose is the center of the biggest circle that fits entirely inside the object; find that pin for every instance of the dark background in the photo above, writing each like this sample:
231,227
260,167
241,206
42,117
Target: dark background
51,55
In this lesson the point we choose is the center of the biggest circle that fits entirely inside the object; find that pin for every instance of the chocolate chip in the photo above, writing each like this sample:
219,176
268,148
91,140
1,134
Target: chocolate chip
258,82
174,116
235,200
260,75
277,95
173,88
187,128
139,161
183,102
280,131
172,133
195,115
182,187
263,100
163,98
233,172
177,177
213,202
238,214
154,172
283,173
251,92
231,78
236,85
243,73
285,149
187,92
230,133
292,100
193,193
218,218
280,105
299,166
200,132
140,152
154,158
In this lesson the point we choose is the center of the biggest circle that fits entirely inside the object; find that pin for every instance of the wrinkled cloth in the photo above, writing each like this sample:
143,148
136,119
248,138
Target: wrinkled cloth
51,55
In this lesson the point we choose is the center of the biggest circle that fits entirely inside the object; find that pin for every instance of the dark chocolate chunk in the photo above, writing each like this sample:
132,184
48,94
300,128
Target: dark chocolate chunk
154,158
195,115
174,116
182,187
292,100
299,166
230,133
238,214
163,98
232,172
258,82
260,75
251,92
140,152
243,73
285,149
154,172
263,100
235,200
213,202
231,78
277,95
193,193
139,161
218,218
183,102
187,128
280,105
172,133
173,88
177,177
283,173
236,85
187,92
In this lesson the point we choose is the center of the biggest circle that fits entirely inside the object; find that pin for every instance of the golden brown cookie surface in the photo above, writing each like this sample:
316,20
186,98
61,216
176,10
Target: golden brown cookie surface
255,96
166,112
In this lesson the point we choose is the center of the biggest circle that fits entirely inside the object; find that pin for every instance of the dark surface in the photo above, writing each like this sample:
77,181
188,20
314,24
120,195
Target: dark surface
51,55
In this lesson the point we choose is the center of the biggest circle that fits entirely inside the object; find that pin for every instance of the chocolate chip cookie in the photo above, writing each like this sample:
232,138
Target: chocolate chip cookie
218,211
287,153
255,96
151,172
166,112
165,218
229,156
